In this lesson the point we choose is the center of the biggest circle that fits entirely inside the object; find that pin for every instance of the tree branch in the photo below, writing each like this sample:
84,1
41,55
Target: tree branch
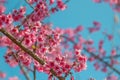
100,59
24,71
108,57
34,73
22,47
106,63
22,68
29,4
29,52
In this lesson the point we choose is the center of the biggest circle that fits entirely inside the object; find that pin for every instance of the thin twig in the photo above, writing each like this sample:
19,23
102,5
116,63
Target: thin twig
34,73
102,60
22,68
97,57
108,57
29,4
24,71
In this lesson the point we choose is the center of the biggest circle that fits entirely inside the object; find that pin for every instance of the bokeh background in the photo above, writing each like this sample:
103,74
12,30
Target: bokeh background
78,12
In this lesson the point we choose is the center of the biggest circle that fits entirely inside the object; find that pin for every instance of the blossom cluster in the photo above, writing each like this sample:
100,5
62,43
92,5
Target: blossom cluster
40,38
115,4
61,51
97,55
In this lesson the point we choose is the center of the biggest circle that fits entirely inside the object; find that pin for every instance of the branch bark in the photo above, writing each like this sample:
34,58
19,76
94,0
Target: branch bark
21,46
29,52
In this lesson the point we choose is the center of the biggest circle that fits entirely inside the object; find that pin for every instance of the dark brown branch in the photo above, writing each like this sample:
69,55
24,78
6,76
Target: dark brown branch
109,57
22,47
29,52
54,73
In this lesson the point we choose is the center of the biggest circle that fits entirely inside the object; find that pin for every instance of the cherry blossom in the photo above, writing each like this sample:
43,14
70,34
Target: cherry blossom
97,1
2,75
112,77
13,78
2,9
31,42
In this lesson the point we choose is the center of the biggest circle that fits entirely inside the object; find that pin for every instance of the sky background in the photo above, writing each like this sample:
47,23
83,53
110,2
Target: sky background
78,12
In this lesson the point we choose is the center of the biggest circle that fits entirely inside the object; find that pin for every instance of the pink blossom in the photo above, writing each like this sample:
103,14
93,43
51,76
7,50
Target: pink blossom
40,68
93,29
113,62
104,69
44,41
97,66
113,52
101,44
97,1
97,24
110,37
72,78
91,49
22,10
13,78
113,1
2,9
2,75
112,77
91,59
78,29
89,42
2,1
52,1
61,5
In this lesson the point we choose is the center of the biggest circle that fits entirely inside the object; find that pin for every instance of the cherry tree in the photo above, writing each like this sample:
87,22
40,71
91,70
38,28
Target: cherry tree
35,46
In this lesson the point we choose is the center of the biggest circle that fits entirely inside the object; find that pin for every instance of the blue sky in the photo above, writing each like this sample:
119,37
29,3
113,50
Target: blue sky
78,12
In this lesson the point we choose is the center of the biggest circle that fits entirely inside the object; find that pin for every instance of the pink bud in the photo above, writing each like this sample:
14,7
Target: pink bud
52,1
113,52
2,75
97,24
78,29
110,37
113,1
72,78
13,78
2,9
104,69
97,1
